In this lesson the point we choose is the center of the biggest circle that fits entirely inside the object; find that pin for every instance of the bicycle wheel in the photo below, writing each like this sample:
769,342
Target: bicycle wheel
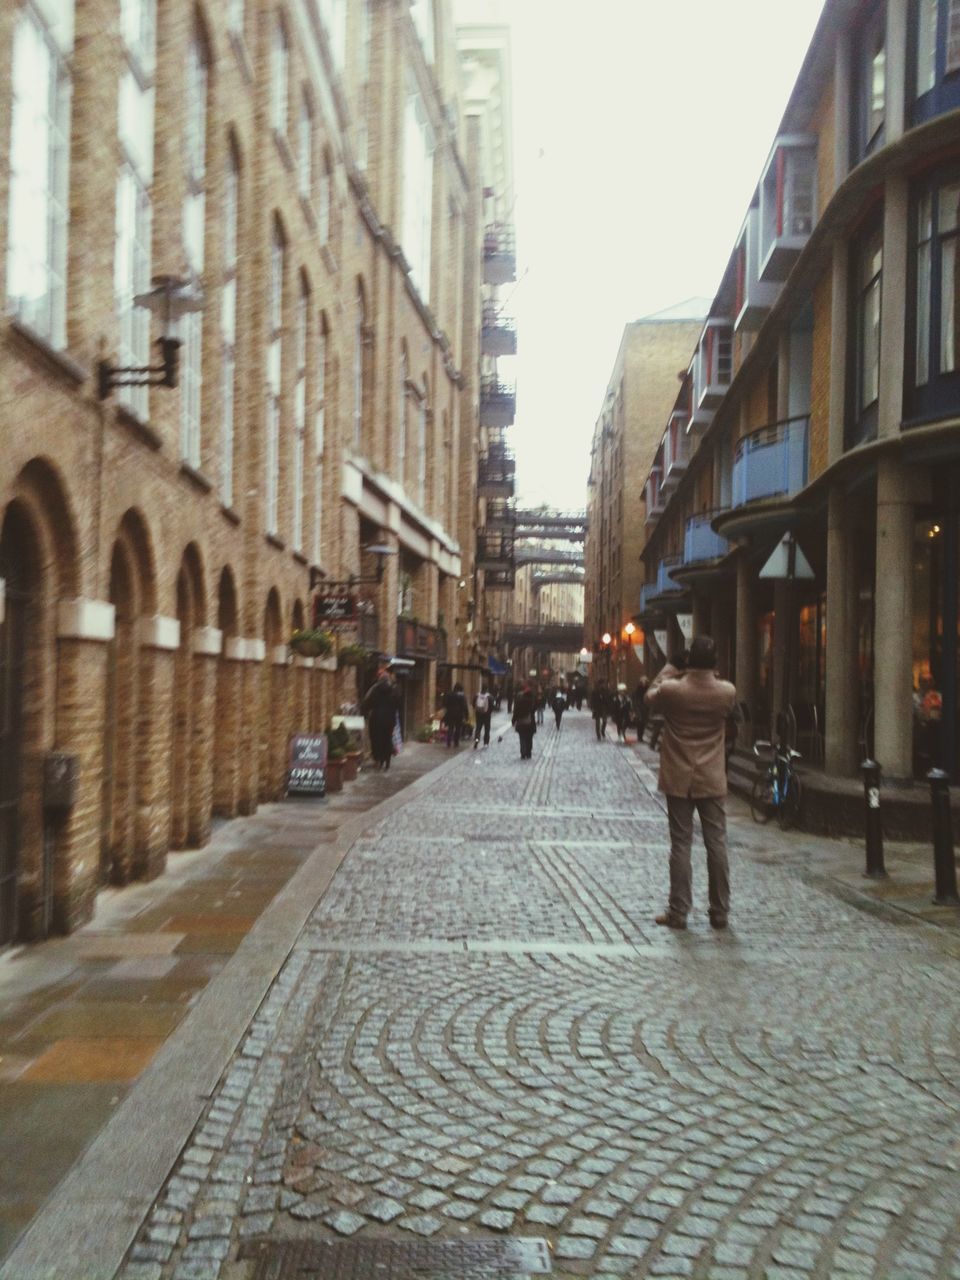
762,804
790,808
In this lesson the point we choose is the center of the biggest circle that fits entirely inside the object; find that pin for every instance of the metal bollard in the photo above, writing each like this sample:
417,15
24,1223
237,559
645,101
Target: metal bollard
944,866
873,827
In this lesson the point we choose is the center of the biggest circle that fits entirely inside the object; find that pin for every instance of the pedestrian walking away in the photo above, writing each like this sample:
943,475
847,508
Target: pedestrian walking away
695,705
524,720
380,705
455,712
482,711
559,704
620,705
599,708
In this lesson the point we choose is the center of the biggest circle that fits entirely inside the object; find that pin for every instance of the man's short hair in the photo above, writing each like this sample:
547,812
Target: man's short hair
703,653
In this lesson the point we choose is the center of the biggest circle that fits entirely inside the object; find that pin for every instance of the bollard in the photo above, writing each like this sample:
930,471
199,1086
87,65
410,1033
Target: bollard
873,827
944,866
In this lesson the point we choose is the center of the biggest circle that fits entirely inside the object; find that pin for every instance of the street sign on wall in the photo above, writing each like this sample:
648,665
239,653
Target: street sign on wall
329,609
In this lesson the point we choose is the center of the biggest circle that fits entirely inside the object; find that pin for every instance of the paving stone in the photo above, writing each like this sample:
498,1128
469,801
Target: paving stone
344,1222
497,1219
575,1247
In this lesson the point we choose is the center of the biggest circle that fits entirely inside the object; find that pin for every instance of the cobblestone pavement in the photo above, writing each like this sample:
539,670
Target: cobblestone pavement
481,1031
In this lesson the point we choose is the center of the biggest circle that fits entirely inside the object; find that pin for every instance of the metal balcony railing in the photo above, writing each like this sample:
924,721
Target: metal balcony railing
501,514
665,583
494,550
417,640
700,543
499,254
498,403
771,462
498,334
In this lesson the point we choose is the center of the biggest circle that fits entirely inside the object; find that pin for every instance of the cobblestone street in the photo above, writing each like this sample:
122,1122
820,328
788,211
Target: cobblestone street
481,1031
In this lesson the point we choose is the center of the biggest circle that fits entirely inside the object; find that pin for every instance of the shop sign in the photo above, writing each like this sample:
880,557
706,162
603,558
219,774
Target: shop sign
661,639
331,609
685,623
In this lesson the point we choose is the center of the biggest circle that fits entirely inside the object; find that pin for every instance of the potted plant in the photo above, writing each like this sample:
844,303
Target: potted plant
352,758
337,742
311,642
354,655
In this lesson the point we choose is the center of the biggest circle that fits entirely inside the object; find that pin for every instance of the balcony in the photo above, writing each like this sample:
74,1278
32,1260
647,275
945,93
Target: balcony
700,543
499,579
771,462
788,204
500,515
712,371
496,474
494,550
498,334
676,451
655,498
499,254
647,593
498,403
416,640
754,298
665,585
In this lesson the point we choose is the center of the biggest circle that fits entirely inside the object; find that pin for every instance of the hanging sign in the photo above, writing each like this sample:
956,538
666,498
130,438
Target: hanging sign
330,609
638,651
661,639
787,561
685,623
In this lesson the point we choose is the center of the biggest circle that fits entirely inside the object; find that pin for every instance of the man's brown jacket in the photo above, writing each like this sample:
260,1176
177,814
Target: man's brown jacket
695,706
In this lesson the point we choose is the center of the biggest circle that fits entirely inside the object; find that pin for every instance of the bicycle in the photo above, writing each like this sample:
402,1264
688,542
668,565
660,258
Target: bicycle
778,789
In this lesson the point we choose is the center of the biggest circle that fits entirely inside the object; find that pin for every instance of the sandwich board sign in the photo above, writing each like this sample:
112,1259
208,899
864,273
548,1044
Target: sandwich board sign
307,774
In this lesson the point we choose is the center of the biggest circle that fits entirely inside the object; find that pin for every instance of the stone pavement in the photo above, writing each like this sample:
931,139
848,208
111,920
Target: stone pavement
480,1032
82,1018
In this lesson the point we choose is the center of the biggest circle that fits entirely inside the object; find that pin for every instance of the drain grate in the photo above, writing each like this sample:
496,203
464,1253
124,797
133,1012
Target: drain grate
398,1259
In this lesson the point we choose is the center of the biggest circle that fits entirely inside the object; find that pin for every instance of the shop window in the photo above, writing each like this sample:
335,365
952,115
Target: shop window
927,646
934,351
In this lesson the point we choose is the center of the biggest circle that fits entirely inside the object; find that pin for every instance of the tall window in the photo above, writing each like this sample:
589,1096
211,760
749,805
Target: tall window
300,414
194,217
870,78
421,11
935,25
868,268
418,148
333,14
323,199
936,356
235,17
320,430
228,323
402,416
422,423
365,98
279,77
274,382
39,161
305,148
131,273
359,338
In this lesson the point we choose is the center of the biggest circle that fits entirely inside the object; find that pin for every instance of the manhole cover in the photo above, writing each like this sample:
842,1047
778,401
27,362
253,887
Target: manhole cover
397,1259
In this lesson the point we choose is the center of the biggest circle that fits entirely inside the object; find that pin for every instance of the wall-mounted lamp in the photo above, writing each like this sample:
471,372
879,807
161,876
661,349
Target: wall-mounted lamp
378,549
168,300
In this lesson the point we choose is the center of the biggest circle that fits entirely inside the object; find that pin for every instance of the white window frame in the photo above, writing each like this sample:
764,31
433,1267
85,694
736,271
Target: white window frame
194,236
305,148
359,338
319,432
228,323
274,390
300,414
279,77
38,213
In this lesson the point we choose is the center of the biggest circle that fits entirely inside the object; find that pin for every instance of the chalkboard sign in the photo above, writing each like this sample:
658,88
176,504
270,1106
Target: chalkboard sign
308,761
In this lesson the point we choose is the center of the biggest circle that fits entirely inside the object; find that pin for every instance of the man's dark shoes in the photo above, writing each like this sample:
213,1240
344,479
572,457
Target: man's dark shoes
717,921
671,921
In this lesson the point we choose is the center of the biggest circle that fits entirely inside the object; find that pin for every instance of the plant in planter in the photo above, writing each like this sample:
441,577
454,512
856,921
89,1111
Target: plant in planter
311,642
353,756
425,732
354,655
337,742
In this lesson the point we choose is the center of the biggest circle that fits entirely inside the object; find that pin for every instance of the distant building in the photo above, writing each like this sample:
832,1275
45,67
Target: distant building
653,354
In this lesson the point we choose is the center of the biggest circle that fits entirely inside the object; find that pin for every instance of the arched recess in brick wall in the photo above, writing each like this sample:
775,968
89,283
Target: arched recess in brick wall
272,696
127,710
301,680
187,699
229,703
38,565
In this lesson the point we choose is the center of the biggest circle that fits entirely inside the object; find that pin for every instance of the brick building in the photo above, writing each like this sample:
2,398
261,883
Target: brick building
307,165
639,394
804,501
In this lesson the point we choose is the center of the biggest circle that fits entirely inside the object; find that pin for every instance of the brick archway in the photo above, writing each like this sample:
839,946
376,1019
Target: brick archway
272,699
229,704
187,704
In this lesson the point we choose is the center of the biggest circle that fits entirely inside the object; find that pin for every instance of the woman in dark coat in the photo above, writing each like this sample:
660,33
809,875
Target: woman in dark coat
524,720
380,705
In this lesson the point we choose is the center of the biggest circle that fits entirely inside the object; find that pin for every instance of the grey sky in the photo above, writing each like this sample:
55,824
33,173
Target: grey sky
640,130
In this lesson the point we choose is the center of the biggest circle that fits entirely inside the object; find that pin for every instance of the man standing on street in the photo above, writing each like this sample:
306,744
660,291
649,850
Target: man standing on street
695,705
482,711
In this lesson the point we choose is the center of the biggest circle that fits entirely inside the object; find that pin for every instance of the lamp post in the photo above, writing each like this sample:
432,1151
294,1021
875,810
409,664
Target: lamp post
168,300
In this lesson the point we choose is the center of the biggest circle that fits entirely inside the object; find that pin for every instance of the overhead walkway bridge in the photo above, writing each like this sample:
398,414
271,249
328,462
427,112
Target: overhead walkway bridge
552,637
